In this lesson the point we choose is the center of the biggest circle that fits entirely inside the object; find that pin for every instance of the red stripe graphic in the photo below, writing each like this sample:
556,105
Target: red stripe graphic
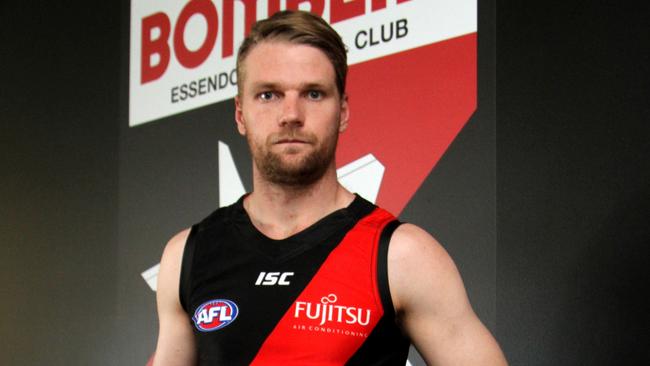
406,109
337,310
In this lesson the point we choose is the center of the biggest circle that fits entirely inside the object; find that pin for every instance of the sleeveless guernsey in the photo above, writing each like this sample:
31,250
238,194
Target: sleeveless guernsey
319,297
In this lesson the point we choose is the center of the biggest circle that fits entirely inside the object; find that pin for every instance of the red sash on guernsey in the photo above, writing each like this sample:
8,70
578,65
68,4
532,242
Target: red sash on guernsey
335,313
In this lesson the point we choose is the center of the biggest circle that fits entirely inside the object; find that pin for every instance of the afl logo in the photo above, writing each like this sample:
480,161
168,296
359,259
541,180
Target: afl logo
215,314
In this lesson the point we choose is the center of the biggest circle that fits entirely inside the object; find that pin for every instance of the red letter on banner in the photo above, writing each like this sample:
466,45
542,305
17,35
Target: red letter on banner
191,59
250,14
315,6
154,46
378,4
346,9
273,7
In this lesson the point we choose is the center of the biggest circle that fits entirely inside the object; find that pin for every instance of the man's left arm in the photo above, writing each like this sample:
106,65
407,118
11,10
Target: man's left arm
432,305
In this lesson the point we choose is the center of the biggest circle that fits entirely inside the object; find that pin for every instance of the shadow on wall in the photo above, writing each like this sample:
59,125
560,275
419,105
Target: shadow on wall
607,293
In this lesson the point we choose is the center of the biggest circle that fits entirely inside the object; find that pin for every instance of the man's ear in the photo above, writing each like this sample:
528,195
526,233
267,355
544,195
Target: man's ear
239,116
345,113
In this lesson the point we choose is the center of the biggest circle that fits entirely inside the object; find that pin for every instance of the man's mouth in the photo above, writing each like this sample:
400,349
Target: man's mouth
291,141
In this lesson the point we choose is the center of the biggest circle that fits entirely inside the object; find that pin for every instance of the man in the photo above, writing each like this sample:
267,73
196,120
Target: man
301,271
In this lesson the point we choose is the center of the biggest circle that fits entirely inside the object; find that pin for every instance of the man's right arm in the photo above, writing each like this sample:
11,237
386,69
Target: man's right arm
175,336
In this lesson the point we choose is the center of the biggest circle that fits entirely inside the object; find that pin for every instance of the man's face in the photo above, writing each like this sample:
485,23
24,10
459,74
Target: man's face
290,111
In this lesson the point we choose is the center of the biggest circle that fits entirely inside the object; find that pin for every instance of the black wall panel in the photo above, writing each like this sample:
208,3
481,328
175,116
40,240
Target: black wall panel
573,183
58,182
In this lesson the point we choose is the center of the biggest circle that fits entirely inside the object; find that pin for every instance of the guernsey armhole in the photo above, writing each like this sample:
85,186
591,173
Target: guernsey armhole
382,267
185,286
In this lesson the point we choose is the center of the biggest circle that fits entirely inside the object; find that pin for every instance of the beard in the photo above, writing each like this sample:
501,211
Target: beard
299,172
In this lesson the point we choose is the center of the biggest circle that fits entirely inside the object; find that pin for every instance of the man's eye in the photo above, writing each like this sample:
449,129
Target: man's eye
314,94
266,95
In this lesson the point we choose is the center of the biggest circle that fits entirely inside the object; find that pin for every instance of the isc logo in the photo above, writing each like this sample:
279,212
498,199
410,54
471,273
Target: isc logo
273,278
215,314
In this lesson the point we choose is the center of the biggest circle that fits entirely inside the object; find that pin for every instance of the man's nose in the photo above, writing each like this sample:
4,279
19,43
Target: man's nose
292,113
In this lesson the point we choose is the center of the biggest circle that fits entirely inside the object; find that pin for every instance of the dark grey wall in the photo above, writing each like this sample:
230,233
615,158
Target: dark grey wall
58,182
573,182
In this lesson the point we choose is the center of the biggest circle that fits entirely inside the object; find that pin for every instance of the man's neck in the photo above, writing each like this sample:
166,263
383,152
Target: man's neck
281,211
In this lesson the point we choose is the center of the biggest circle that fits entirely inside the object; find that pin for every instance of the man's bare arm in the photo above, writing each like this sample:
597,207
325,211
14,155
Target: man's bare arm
432,304
175,337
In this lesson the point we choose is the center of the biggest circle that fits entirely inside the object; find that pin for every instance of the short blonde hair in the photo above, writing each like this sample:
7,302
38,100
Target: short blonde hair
299,27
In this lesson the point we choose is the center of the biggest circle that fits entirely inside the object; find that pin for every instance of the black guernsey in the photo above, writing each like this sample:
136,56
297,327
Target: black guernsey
319,297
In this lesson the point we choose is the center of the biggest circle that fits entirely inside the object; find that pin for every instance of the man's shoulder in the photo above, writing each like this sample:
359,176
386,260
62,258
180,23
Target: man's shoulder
418,264
220,215
411,240
176,245
411,243
413,252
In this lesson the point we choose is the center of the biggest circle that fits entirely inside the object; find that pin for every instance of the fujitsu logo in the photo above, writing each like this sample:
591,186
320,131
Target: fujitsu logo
327,311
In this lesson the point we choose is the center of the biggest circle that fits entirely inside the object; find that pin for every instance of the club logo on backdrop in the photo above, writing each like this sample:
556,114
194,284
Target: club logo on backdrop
214,315
182,53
